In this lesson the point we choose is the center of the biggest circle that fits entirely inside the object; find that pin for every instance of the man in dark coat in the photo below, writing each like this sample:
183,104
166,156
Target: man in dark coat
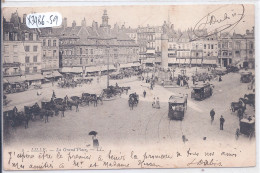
212,114
222,120
144,93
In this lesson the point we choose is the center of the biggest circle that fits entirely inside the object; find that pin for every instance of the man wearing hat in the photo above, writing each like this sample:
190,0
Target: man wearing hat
222,120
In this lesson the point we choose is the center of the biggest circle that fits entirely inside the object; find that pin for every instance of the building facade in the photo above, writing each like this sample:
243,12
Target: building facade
21,48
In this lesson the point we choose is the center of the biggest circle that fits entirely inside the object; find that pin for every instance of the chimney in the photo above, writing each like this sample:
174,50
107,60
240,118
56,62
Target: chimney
83,22
64,22
74,24
24,18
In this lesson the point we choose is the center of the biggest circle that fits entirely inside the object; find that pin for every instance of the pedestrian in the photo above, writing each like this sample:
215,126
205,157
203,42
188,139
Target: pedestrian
153,104
53,94
212,114
157,103
193,80
222,120
144,93
220,79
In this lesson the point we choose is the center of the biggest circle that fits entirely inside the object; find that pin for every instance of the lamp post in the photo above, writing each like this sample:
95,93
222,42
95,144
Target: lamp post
107,46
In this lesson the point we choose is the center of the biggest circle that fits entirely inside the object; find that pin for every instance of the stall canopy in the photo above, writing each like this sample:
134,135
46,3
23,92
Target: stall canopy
128,65
93,69
51,74
209,61
34,77
136,64
72,70
14,79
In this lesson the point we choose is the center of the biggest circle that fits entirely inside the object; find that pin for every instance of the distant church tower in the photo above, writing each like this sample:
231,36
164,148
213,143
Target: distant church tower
104,24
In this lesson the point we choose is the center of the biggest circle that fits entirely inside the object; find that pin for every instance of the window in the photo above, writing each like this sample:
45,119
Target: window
44,42
15,48
27,48
44,53
80,51
27,69
35,59
80,60
208,46
54,52
91,60
91,51
35,48
212,46
49,42
30,36
27,59
6,49
54,42
230,53
237,52
250,52
34,69
251,45
205,46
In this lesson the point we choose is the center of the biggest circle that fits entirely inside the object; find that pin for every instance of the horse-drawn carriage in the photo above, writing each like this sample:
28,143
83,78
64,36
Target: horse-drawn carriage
247,127
116,75
133,100
177,107
237,105
111,92
246,77
201,92
232,68
15,118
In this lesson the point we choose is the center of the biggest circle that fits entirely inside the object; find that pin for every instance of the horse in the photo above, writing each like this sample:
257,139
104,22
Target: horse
73,103
131,103
32,111
46,113
85,98
250,99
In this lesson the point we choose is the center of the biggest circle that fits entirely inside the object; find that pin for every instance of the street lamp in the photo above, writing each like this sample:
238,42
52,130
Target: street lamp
107,46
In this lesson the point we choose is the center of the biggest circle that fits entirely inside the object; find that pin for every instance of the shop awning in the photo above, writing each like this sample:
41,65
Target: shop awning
66,69
76,70
15,79
150,51
172,61
187,61
196,61
5,80
34,77
149,60
209,61
181,61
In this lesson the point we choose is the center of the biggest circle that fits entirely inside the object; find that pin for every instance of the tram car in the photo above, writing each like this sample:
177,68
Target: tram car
177,107
202,92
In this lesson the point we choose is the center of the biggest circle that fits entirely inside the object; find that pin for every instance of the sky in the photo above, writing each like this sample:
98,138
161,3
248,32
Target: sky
182,16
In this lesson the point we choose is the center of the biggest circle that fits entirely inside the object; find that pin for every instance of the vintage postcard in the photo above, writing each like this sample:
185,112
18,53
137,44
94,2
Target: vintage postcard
121,87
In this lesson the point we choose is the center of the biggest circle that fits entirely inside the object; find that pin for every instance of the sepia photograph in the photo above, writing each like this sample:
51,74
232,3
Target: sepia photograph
133,86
